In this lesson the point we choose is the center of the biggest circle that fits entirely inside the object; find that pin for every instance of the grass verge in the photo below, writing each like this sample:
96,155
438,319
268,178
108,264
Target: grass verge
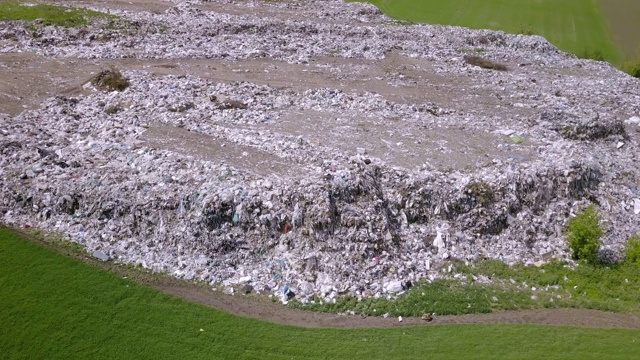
491,285
50,14
55,307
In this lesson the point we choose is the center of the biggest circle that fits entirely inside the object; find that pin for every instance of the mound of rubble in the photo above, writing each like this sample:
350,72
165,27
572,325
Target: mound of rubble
321,147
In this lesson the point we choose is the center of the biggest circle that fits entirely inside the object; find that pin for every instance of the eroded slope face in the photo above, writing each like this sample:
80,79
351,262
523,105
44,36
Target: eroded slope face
312,145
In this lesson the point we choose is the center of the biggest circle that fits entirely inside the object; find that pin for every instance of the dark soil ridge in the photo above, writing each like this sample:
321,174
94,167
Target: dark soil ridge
259,306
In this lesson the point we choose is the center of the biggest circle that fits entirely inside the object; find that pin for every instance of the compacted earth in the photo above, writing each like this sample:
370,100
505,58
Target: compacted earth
316,147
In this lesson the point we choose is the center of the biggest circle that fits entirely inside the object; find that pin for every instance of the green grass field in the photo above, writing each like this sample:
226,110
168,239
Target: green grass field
621,17
577,26
52,15
54,307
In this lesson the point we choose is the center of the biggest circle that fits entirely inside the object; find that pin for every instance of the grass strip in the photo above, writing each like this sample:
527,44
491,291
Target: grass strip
55,307
50,14
491,285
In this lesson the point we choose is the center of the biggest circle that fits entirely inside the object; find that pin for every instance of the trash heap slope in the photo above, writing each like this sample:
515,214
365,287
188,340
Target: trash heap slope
323,148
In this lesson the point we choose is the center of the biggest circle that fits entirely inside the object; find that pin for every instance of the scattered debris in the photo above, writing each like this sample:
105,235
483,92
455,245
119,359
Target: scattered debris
516,139
309,187
100,256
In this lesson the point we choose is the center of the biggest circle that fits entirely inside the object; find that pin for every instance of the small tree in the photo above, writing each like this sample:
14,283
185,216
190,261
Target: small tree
583,234
632,250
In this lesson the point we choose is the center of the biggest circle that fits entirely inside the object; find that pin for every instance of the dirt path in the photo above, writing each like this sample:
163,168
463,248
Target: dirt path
254,307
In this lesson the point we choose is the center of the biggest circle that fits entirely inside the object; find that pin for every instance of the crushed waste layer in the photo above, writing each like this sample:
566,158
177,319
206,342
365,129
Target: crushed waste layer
321,149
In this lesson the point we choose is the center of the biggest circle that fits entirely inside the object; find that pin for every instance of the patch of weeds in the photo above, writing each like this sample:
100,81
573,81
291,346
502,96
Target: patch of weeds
48,14
398,22
597,55
481,191
491,285
591,131
477,50
632,67
120,25
57,240
627,174
441,296
484,63
110,80
163,28
404,22
111,110
632,250
583,235
526,30
548,275
556,284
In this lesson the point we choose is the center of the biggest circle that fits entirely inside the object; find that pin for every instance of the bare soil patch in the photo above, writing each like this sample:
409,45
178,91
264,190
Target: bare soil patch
26,79
207,148
255,307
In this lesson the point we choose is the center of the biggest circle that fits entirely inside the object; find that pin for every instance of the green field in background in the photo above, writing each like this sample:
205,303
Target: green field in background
623,21
577,26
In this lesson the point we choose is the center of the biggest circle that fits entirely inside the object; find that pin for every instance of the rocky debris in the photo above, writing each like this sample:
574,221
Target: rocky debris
321,190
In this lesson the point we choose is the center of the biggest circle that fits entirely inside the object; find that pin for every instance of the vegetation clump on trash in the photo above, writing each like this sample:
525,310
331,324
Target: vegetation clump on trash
583,235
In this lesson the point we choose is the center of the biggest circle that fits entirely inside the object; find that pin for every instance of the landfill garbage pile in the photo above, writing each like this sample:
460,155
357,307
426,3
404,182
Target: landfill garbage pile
320,190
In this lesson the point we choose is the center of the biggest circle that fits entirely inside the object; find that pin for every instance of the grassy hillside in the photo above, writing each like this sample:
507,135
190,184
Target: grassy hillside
54,307
576,26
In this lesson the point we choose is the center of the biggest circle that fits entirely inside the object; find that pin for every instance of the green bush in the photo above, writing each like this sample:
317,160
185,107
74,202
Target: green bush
583,234
632,250
632,67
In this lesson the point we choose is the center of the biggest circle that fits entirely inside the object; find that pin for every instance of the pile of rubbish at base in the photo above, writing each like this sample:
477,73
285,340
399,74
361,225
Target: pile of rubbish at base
320,190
